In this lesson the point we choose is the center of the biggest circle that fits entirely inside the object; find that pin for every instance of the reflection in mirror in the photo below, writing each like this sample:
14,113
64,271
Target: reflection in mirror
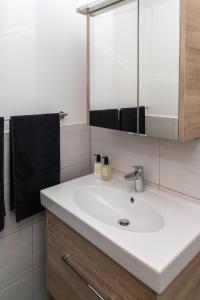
113,67
159,36
134,66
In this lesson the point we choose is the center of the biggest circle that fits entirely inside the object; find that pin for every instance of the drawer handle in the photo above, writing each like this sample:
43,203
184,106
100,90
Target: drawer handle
65,259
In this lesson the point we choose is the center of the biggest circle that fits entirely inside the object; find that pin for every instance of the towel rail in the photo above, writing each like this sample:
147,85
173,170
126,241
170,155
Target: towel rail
97,7
62,116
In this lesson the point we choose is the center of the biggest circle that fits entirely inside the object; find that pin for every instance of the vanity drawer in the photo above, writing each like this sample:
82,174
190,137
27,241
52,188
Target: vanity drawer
93,265
63,283
70,277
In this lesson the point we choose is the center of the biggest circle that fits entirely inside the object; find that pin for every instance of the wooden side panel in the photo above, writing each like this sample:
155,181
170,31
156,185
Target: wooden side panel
189,114
117,277
187,285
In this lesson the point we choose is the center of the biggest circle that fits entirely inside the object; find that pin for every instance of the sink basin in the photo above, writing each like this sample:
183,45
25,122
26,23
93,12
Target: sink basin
162,234
118,208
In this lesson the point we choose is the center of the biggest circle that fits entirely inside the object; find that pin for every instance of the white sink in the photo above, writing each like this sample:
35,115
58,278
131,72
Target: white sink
163,235
119,209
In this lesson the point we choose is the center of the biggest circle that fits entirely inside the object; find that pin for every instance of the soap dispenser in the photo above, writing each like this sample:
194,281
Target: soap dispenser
97,166
106,171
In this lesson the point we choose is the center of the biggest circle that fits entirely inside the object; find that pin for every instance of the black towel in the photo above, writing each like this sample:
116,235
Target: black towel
128,119
35,160
2,206
142,128
107,118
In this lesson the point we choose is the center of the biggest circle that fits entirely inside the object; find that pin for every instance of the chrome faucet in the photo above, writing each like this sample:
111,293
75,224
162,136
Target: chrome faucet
138,176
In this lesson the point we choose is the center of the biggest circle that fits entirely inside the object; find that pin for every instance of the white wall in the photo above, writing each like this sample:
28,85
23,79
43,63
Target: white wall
22,245
42,58
171,165
61,58
42,69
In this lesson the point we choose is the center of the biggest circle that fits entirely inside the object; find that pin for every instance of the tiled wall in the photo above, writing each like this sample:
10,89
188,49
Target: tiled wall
169,164
22,246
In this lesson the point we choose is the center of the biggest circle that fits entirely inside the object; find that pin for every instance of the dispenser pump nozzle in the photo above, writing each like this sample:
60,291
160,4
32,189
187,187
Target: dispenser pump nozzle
98,158
106,160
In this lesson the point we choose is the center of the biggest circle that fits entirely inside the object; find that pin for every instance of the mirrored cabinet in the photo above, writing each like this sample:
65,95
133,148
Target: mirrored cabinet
159,48
144,66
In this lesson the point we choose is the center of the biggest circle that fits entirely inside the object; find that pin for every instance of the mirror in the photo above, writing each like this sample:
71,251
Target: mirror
159,39
113,66
134,65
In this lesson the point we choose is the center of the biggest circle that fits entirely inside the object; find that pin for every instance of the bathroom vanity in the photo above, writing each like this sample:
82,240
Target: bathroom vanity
90,255
78,270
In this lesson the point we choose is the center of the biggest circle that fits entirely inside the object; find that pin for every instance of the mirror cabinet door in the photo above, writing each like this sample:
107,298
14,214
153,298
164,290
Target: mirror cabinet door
114,67
135,66
159,35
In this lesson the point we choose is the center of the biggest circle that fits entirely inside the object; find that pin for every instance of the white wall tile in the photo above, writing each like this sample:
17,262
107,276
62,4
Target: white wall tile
75,144
39,285
170,164
125,150
20,290
15,256
12,227
75,171
39,217
10,221
180,166
39,245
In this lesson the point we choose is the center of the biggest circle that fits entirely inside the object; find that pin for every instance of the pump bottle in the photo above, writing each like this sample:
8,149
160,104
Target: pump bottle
106,171
97,166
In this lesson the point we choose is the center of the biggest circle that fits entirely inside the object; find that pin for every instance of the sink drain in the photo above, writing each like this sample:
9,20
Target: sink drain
124,222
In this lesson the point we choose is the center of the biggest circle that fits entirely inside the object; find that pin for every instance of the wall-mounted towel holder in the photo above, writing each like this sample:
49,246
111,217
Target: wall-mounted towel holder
62,116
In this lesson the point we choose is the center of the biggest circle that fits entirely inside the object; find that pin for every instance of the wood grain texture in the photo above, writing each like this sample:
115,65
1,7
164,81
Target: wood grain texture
100,271
76,265
63,283
187,285
189,108
126,285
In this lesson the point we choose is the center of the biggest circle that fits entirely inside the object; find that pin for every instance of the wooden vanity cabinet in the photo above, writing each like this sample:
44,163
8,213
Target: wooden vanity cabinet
77,270
189,97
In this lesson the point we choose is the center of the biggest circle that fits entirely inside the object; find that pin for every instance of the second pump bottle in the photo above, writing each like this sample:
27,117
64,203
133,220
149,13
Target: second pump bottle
103,169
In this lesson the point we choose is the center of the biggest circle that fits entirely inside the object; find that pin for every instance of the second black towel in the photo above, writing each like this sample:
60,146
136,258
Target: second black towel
35,160
2,206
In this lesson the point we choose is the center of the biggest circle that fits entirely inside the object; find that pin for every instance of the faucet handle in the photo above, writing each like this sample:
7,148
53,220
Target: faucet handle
139,169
